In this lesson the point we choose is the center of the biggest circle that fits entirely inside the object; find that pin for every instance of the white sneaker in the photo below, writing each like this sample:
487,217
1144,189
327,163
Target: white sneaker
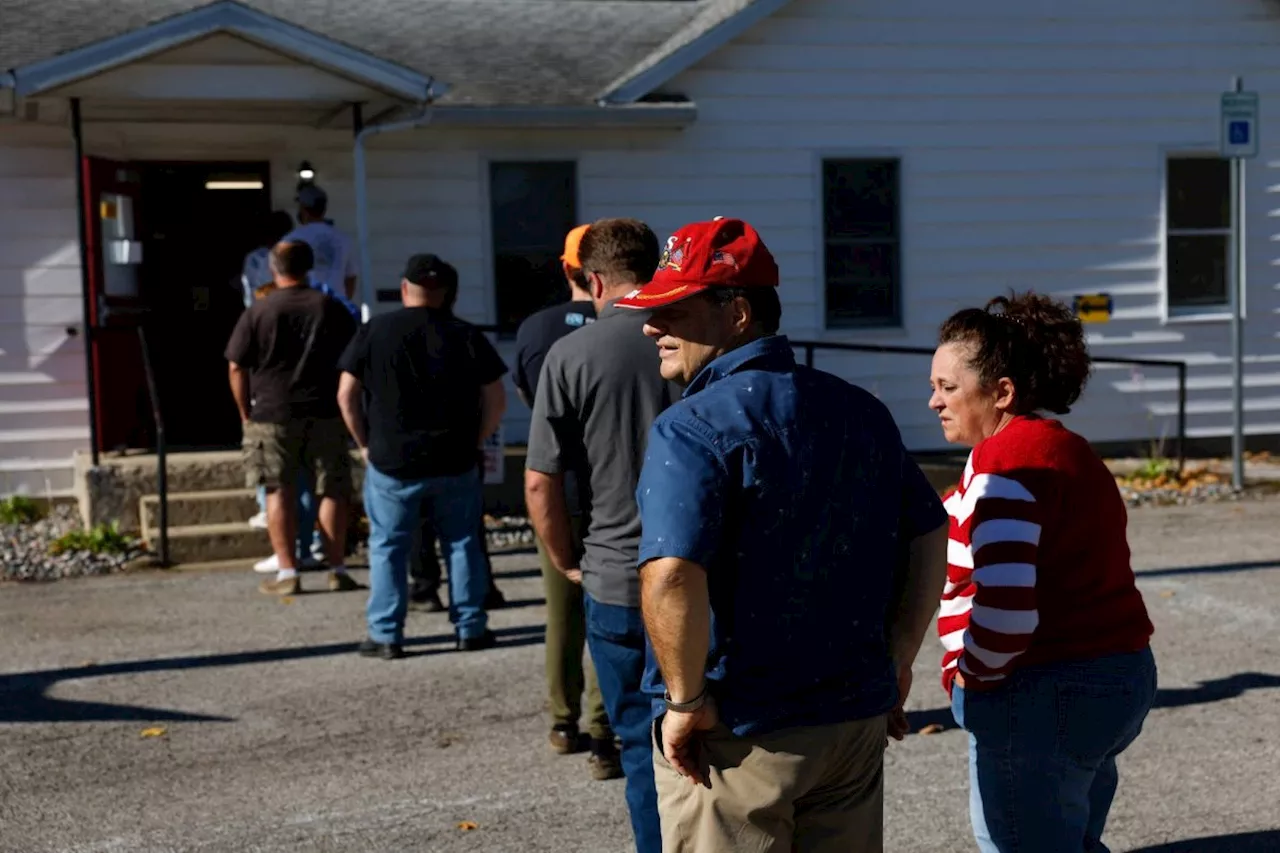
272,564
259,522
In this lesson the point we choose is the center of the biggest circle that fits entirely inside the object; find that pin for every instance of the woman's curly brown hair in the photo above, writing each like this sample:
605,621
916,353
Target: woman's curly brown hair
1033,340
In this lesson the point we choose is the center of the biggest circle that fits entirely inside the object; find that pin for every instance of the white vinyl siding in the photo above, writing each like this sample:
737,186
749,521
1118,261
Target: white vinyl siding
44,410
1033,139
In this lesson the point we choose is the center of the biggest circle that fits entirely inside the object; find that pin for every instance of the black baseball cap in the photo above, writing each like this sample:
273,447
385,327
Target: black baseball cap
430,271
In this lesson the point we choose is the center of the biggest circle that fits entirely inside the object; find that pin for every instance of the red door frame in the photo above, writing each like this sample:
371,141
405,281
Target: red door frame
118,377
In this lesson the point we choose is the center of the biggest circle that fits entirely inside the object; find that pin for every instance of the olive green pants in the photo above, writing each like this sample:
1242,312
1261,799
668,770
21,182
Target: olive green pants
567,674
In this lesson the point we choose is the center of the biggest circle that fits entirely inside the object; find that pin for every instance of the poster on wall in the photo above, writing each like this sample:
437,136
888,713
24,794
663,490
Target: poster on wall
493,456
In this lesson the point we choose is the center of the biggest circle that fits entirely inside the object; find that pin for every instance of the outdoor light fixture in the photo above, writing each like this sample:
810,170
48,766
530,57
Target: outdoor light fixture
233,185
305,172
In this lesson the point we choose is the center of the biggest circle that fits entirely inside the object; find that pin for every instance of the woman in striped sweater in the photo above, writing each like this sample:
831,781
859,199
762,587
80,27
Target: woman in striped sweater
1047,638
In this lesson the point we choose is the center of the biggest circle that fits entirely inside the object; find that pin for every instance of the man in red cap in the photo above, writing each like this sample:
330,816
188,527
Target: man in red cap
790,555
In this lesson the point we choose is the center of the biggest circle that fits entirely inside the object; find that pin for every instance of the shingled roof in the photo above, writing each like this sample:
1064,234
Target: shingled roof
488,52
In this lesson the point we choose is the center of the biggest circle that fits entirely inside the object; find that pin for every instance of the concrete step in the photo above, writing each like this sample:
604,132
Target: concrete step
217,506
202,543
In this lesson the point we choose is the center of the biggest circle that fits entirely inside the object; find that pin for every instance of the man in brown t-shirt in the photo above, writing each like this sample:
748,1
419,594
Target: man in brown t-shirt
283,358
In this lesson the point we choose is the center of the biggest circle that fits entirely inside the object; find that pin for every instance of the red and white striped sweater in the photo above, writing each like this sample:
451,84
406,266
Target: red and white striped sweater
1038,558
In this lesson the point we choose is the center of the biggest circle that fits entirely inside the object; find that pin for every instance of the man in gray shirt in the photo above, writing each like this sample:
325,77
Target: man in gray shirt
598,393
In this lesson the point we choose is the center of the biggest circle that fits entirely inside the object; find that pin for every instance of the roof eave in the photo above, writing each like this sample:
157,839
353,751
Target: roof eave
224,16
646,77
668,115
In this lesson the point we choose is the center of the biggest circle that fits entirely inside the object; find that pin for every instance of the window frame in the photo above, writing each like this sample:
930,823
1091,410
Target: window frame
1174,314
896,325
488,251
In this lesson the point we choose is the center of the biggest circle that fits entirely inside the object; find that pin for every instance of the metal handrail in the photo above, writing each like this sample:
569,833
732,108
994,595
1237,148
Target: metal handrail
162,466
810,348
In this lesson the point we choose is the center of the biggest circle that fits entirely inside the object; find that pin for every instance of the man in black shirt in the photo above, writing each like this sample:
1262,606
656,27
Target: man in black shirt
543,328
434,389
283,358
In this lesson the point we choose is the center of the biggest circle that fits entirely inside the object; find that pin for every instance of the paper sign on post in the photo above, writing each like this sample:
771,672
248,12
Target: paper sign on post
493,459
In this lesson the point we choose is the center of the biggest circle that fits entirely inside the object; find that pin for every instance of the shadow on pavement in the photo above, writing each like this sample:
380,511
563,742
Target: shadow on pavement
503,643
1168,697
517,574
23,699
1214,691
1243,842
513,603
933,717
1220,569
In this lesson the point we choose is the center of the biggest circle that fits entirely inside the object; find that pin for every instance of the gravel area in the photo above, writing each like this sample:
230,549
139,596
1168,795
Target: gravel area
1136,496
1197,484
25,555
508,533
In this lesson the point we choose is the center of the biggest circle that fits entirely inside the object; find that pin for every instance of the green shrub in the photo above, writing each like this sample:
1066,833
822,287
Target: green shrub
19,510
102,539
1155,468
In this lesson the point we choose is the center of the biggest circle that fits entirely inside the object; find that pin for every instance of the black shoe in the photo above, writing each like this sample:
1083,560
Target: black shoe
495,600
487,640
604,762
387,651
426,601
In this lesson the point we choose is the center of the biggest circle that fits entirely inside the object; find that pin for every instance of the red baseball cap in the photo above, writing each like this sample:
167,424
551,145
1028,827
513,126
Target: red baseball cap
703,255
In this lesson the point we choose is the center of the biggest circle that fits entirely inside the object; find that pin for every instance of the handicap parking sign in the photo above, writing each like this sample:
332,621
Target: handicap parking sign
1239,124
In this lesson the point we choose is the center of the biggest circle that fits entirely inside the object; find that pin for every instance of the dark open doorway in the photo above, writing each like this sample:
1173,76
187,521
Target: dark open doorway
197,222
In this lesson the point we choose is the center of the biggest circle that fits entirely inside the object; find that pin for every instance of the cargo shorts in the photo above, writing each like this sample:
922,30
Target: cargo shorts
278,453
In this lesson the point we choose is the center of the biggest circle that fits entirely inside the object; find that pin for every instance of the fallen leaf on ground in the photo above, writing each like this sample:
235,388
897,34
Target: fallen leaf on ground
286,599
467,825
1168,593
155,731
931,729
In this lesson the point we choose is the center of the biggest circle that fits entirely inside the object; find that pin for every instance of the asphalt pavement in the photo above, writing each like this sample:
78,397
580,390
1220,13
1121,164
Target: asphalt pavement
183,711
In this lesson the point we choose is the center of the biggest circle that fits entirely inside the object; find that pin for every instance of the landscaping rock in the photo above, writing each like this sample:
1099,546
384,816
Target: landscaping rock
25,555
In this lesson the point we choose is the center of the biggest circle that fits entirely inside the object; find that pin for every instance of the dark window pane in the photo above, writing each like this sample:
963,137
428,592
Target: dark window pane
1199,193
527,281
1197,271
532,208
862,284
860,198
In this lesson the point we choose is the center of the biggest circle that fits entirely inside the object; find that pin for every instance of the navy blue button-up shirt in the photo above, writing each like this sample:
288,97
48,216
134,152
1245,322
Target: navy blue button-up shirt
792,488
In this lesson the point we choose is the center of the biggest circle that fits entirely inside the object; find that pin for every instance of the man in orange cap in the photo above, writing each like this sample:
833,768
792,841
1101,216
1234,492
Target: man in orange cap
789,558
598,394
567,678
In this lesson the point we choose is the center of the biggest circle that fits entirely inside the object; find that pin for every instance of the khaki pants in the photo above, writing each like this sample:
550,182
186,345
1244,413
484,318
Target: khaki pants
817,789
567,675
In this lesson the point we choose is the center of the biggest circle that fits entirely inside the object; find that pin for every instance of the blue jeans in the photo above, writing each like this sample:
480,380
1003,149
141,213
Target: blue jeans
394,508
1043,747
615,636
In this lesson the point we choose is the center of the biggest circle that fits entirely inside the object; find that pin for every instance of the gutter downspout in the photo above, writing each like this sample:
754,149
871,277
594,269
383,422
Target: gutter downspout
87,307
367,291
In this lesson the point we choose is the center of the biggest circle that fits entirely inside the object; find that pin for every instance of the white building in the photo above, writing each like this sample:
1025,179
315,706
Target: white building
901,159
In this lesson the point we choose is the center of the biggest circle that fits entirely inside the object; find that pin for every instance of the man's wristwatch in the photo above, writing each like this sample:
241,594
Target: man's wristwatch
685,707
